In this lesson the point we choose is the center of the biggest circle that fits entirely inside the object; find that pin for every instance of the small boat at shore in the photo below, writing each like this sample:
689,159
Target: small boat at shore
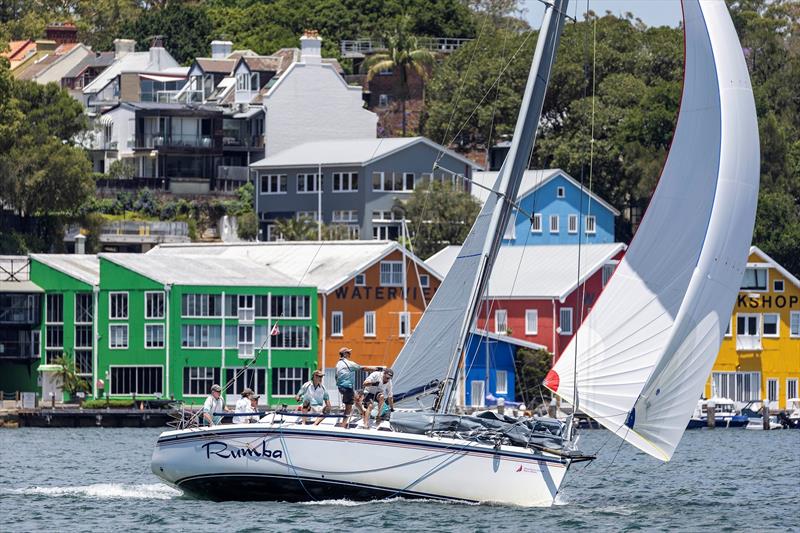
725,414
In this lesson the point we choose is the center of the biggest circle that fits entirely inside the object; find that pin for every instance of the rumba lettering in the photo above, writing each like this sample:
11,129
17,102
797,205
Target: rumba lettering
220,449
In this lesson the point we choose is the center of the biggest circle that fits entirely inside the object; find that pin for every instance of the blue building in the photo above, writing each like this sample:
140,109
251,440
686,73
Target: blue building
499,352
561,211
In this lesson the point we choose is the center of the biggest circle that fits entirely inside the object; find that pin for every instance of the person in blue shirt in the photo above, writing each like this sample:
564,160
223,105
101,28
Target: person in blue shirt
346,379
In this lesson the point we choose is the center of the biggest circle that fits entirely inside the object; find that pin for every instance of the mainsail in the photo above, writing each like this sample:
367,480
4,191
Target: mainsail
646,349
441,335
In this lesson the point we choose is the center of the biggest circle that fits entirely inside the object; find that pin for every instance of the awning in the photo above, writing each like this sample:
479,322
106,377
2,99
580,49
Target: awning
249,113
156,77
20,287
105,120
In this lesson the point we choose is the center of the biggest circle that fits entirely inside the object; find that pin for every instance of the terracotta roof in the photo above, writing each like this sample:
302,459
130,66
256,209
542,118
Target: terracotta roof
19,51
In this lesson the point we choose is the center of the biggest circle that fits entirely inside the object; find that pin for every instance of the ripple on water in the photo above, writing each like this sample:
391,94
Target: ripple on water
154,491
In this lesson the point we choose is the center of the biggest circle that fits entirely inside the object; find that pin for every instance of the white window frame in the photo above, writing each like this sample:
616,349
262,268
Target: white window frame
729,331
572,224
794,324
590,225
424,281
791,394
404,318
501,377
746,316
554,224
111,305
775,285
345,178
344,216
148,294
777,333
536,223
360,280
75,307
203,379
276,183
561,192
370,320
294,378
246,347
111,337
535,314
337,316
150,346
766,283
498,313
395,275
317,183
773,403
608,271
481,400
561,320
111,391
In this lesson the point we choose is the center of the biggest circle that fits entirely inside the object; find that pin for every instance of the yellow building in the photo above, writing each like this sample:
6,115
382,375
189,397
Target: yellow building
760,354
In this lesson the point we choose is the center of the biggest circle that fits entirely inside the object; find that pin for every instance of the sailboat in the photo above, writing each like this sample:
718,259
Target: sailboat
637,364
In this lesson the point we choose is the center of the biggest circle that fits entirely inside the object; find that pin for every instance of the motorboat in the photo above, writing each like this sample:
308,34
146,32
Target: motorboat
725,414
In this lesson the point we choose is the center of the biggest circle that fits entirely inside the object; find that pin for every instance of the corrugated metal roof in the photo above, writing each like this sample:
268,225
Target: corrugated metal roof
531,180
325,265
133,62
103,59
207,269
85,268
356,152
20,286
540,271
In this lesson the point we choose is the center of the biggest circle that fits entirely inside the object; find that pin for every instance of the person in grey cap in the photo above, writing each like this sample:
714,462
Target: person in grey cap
213,404
378,386
243,406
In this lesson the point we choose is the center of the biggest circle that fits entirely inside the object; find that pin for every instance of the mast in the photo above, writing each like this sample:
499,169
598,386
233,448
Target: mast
511,173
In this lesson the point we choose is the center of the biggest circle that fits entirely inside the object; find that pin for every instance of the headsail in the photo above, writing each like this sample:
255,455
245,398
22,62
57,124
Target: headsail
645,351
442,332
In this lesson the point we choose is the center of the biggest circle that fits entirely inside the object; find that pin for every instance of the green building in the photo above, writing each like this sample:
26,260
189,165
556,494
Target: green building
151,327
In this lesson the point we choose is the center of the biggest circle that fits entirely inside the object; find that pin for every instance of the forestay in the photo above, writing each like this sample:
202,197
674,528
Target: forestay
645,351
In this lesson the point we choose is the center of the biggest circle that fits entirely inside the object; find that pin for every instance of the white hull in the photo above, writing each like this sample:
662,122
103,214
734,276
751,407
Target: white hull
292,462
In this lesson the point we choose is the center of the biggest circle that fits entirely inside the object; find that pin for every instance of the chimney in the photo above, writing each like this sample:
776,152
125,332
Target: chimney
221,49
311,48
123,47
80,244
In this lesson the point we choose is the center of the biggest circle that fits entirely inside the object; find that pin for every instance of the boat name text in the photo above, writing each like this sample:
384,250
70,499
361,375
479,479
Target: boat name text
220,449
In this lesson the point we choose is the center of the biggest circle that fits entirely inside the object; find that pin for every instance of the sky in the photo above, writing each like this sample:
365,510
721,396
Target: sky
652,12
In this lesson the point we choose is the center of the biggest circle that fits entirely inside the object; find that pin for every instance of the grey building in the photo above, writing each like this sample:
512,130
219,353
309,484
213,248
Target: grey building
361,180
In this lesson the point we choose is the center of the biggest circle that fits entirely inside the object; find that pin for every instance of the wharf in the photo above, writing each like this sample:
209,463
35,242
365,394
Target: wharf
77,417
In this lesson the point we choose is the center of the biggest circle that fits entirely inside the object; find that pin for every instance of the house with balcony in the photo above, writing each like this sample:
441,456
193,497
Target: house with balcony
355,182
555,209
760,353
20,323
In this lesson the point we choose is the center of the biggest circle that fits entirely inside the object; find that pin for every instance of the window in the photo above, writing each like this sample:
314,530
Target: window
345,217
391,273
245,337
83,349
501,385
273,184
424,281
591,225
755,279
360,280
405,324
553,223
772,325
572,224
336,324
118,336
153,305
54,328
84,308
501,321
197,380
253,378
728,330
146,380
738,386
83,363
560,192
531,322
536,223
311,215
408,181
118,305
307,183
287,381
289,306
345,181
83,336
369,323
777,285
383,100
292,338
747,325
772,392
201,305
565,320
791,390
608,270
201,336
153,336
794,324
476,389
55,309
393,181
246,308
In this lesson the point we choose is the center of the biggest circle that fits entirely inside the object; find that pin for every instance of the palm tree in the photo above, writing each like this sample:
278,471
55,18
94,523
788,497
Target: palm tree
297,229
403,55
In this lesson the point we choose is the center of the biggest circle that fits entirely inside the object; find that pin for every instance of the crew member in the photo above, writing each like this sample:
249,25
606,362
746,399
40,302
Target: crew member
345,382
243,406
313,396
213,404
378,386
254,408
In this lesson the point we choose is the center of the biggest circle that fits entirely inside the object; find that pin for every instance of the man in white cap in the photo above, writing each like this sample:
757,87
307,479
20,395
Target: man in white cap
313,395
346,381
243,406
378,386
213,404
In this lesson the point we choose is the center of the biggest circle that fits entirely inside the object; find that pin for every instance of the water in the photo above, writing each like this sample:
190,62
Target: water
99,479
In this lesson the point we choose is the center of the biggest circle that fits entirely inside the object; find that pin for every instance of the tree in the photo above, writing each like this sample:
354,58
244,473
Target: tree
247,226
531,367
777,230
121,169
406,57
297,229
438,215
186,29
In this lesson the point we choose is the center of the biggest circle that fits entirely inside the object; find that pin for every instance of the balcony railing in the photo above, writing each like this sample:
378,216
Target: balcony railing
177,140
748,343
233,173
19,349
144,229
364,47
